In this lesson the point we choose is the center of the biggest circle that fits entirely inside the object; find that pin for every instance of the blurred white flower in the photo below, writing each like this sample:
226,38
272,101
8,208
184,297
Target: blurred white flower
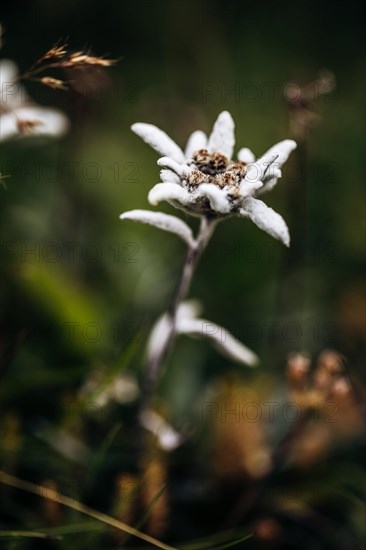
167,437
205,181
188,323
102,390
19,115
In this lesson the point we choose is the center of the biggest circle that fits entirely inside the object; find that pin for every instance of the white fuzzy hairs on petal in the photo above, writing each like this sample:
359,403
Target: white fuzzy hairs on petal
267,219
246,155
270,180
169,192
222,136
161,221
168,176
217,197
180,169
196,141
158,140
281,151
266,169
250,184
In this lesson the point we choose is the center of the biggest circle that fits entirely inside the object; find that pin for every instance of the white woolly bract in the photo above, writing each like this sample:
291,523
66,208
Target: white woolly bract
161,221
158,140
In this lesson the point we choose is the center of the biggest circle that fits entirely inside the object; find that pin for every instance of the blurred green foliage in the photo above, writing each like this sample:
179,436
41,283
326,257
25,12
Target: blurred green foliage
87,295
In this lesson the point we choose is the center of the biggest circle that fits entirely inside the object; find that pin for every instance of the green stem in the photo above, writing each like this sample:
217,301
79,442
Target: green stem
194,254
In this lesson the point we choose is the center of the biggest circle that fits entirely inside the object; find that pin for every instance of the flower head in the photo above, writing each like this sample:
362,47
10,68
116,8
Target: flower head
205,180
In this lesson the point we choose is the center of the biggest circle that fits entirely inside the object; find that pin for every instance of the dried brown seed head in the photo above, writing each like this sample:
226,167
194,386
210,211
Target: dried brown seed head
54,83
81,59
56,52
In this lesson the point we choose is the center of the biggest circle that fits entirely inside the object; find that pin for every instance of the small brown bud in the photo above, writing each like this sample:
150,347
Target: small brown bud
331,361
322,379
298,366
340,389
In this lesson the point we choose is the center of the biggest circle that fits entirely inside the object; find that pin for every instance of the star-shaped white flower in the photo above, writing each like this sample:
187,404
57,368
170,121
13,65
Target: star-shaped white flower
205,181
19,115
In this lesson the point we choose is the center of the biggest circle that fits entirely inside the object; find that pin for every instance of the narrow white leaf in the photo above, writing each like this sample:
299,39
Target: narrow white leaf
220,337
262,168
222,136
158,337
270,181
189,309
168,176
196,141
180,169
251,182
216,196
281,151
246,155
268,166
158,140
161,221
169,192
267,219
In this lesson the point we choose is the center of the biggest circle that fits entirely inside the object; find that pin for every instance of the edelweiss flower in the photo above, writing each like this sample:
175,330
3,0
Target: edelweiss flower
19,115
204,180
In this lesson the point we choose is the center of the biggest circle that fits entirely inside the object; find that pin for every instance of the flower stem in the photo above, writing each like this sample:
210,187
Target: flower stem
194,254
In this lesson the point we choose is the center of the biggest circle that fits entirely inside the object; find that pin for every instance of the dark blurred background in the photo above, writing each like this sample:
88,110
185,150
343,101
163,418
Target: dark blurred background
80,289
